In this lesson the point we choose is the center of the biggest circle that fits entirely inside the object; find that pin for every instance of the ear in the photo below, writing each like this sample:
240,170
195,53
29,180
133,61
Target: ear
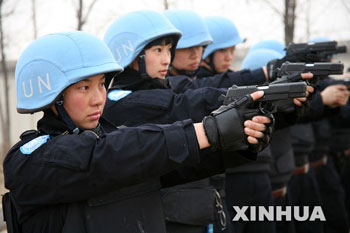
53,108
135,64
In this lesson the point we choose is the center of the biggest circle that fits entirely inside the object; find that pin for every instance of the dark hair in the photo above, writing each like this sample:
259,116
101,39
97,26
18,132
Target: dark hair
165,40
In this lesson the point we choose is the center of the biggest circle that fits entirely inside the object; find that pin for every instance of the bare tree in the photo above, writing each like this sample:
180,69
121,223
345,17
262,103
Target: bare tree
289,20
288,17
166,4
81,15
35,28
346,4
4,113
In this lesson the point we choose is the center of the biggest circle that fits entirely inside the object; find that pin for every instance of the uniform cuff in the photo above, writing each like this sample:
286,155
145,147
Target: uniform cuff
181,139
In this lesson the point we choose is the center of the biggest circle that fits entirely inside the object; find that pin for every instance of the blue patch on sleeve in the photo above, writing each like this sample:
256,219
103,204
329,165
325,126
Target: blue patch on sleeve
116,95
34,144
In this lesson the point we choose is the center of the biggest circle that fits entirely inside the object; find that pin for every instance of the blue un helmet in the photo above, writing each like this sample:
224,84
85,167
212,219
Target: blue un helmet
269,44
128,35
259,58
53,62
224,33
192,26
319,39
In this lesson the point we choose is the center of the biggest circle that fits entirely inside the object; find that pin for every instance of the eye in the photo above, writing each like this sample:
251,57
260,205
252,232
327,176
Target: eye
83,88
102,84
158,50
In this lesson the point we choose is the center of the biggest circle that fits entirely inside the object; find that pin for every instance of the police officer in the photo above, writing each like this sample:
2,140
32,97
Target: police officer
327,177
282,163
274,45
139,95
253,179
71,175
218,56
189,52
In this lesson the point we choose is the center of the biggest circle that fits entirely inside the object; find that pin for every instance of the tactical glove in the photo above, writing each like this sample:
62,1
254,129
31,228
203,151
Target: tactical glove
272,68
225,130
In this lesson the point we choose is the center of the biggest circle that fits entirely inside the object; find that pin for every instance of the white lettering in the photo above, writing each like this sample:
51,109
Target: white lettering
126,48
297,213
264,213
47,84
119,56
31,89
240,213
317,213
252,213
280,213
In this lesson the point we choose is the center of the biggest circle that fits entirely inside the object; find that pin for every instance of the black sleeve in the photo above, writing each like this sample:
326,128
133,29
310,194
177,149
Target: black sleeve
211,163
162,106
70,168
318,110
225,80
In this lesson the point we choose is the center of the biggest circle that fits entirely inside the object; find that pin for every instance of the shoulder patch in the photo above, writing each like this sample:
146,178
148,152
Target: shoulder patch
116,95
34,144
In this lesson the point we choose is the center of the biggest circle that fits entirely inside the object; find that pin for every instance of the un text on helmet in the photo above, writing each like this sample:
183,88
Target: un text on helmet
40,83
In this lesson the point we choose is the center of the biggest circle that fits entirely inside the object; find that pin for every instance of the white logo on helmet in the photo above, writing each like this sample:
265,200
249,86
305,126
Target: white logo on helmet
126,48
40,82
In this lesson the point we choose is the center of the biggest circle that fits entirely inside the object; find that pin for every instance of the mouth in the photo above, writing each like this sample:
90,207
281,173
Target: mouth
95,116
163,72
194,65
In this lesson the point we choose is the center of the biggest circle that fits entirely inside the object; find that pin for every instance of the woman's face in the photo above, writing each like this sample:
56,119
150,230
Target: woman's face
188,59
222,59
157,60
84,101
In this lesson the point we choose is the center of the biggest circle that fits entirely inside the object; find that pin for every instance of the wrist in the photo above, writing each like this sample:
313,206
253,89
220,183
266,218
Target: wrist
201,136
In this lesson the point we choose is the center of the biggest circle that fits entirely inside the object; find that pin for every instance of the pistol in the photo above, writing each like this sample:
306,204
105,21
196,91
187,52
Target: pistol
345,82
273,94
290,72
313,52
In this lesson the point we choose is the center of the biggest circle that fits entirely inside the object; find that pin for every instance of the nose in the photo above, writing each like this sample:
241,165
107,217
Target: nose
166,58
98,96
196,52
229,55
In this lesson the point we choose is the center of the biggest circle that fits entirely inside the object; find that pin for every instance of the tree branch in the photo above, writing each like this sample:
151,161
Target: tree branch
275,9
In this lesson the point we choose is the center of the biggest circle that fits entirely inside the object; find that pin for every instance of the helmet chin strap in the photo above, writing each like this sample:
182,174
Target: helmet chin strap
189,73
142,70
73,128
211,63
142,65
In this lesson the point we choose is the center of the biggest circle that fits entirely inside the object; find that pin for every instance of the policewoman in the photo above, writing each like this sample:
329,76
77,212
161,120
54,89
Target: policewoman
218,56
189,51
69,175
140,95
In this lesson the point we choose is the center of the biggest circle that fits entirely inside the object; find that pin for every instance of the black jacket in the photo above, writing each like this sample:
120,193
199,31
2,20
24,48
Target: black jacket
48,178
224,80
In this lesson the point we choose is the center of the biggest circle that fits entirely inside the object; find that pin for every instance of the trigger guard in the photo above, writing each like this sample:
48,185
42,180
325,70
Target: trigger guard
265,110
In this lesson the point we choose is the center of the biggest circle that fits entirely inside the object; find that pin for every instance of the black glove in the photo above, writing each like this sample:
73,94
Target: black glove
224,126
272,68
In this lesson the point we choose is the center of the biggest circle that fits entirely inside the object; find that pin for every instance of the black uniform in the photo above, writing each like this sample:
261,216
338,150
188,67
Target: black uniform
252,178
303,187
225,80
96,181
151,102
328,179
